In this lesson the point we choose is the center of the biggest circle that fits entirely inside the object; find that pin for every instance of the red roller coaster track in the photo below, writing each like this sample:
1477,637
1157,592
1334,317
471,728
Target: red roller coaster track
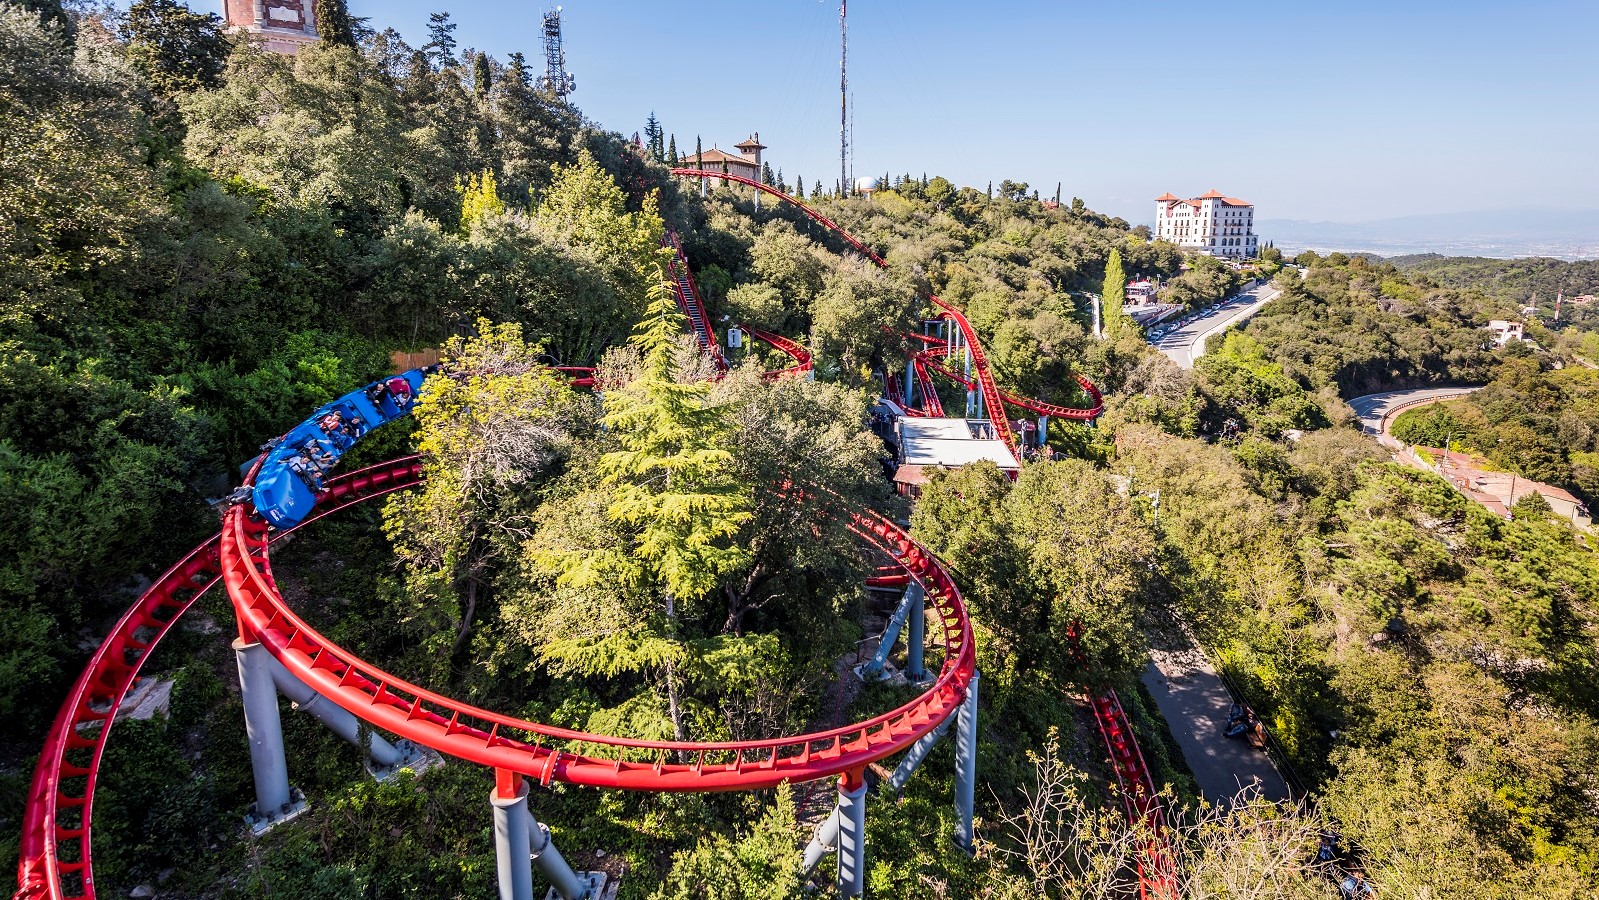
56,834
55,843
993,399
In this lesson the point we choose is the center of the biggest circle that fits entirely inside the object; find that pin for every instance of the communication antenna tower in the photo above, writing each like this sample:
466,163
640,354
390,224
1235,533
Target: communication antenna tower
555,79
843,98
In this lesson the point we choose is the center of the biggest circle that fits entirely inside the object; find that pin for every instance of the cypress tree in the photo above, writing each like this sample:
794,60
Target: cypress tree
333,23
671,153
766,174
1113,294
481,75
816,191
699,153
991,190
799,187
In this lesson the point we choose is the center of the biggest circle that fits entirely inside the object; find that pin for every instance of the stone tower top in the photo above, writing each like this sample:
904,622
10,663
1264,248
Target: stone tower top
284,26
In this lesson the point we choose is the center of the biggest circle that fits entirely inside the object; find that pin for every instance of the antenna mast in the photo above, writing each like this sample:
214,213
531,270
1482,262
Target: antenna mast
843,99
555,79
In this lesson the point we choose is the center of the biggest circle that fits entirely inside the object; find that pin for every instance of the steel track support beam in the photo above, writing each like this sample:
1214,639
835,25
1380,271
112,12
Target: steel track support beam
916,639
852,833
966,767
337,719
513,825
885,644
914,757
825,839
908,389
823,842
275,800
521,841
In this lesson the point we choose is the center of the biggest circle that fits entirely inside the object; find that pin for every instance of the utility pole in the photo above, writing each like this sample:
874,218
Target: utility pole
843,98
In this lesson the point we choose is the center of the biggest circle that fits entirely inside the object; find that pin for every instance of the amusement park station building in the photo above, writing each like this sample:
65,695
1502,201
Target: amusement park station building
923,443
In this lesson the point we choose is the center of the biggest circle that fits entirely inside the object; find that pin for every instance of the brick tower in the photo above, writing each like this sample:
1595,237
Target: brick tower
284,26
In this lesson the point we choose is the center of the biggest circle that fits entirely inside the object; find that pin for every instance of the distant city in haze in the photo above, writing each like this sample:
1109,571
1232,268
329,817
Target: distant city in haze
1355,112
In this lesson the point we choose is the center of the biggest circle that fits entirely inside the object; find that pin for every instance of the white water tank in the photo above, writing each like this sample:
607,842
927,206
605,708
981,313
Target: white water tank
866,185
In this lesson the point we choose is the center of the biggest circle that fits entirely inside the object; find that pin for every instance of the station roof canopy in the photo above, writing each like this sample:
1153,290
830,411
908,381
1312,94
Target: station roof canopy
951,443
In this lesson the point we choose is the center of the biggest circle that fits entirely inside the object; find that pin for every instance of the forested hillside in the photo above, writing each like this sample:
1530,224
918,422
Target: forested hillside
1516,281
201,242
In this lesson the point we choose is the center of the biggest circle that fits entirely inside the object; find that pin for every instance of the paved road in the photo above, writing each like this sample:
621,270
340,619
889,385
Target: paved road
1196,703
1376,411
1187,344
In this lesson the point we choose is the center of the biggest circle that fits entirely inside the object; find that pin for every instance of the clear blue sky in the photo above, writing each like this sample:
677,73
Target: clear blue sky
1342,110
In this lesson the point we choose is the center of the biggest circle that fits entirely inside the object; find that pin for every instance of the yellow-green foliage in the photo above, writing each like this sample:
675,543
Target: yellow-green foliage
480,199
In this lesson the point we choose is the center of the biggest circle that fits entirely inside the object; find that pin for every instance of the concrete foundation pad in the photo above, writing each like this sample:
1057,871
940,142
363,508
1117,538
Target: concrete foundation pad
599,887
260,825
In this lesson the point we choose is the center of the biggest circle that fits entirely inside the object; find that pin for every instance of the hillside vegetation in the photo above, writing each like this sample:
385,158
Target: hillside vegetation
203,242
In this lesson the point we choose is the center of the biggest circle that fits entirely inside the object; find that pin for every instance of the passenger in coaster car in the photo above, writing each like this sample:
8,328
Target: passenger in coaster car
333,426
319,455
399,391
306,470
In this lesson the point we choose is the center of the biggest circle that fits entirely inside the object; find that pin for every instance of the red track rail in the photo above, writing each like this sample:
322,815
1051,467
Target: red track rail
1081,414
993,400
931,403
56,825
558,754
688,300
802,357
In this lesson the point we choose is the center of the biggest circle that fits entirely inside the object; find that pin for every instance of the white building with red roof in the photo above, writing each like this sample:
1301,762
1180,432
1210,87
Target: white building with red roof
1212,223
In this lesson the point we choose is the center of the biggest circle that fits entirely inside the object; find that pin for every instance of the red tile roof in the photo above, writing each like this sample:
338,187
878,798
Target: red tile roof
715,156
1165,198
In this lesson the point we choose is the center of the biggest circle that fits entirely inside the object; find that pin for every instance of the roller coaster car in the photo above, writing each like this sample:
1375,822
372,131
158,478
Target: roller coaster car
281,496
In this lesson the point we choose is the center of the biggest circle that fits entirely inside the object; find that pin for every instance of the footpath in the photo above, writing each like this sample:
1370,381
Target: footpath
1196,702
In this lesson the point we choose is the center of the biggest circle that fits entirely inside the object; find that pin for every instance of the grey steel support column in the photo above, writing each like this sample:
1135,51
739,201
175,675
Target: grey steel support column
513,862
1043,432
914,757
966,767
909,387
852,834
825,841
273,797
885,644
338,720
916,639
567,882
972,393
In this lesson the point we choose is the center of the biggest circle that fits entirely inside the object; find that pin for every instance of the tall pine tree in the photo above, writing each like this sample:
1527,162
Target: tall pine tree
671,153
674,495
440,48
